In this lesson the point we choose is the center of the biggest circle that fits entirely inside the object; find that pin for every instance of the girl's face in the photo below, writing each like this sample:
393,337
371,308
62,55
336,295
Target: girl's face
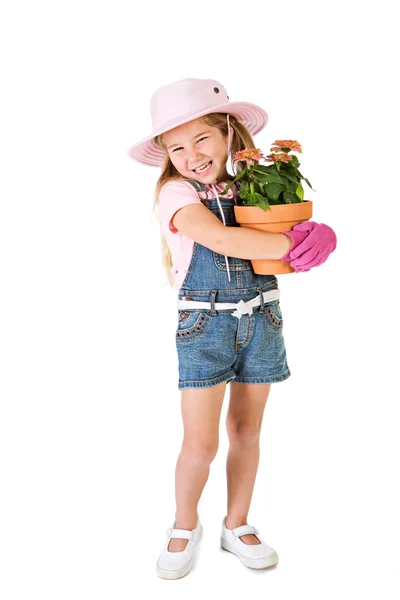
198,151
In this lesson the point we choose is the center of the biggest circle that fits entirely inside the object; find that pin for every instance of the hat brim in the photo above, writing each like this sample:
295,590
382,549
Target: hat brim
250,115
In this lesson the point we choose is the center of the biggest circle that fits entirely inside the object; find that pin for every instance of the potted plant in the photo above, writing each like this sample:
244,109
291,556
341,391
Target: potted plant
271,197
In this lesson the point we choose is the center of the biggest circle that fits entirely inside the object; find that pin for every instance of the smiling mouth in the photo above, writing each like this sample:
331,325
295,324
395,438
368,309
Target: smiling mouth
202,168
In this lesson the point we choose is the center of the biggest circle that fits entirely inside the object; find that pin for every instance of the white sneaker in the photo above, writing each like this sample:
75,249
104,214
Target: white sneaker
258,556
173,565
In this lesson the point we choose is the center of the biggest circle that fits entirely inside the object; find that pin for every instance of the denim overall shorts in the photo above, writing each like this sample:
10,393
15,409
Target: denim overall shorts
214,346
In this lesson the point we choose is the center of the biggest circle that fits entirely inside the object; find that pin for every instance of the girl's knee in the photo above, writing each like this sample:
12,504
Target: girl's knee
242,432
199,452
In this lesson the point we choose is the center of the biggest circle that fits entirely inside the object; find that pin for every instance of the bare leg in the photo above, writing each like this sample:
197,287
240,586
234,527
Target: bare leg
201,411
243,423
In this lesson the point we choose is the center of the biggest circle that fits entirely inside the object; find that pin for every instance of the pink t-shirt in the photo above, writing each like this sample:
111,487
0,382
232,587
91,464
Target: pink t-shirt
174,195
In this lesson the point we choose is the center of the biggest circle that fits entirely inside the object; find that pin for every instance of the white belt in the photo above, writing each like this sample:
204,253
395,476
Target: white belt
242,308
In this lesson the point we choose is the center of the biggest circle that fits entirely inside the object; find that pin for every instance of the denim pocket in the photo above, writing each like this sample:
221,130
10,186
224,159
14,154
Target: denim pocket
273,314
235,264
191,325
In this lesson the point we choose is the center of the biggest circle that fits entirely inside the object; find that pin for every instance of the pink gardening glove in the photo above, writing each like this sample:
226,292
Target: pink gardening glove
297,237
316,247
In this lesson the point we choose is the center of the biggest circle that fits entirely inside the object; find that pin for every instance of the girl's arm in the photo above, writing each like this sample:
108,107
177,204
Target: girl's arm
242,242
201,225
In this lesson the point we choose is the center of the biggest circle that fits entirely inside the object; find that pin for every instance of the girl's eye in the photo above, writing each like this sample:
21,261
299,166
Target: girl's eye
199,140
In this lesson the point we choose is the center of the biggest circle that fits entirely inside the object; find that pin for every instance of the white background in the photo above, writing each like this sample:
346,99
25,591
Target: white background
90,425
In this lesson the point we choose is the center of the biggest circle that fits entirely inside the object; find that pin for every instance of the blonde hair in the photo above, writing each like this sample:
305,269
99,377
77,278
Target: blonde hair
241,138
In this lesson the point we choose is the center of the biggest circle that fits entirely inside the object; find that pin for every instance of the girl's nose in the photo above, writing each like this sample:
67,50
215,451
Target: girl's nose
193,156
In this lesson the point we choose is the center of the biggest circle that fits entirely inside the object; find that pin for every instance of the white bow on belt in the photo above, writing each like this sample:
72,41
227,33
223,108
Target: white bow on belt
239,309
243,308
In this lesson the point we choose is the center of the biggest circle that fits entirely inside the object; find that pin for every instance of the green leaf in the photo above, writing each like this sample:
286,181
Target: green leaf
260,197
228,187
300,191
306,180
256,199
290,198
251,199
273,190
288,175
239,176
244,189
264,204
261,178
262,168
258,185
287,196
268,178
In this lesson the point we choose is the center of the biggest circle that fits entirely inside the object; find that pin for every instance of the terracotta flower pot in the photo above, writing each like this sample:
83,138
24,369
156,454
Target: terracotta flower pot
278,218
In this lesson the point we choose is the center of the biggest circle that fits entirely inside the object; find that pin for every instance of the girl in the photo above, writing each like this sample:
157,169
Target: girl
229,319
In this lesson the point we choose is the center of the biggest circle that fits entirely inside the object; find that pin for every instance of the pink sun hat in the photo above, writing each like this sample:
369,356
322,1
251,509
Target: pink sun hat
184,101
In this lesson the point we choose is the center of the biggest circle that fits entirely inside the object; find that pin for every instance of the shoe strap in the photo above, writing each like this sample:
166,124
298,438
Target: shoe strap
182,534
244,529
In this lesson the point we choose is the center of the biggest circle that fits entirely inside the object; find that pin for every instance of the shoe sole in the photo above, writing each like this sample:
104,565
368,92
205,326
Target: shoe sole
169,574
252,563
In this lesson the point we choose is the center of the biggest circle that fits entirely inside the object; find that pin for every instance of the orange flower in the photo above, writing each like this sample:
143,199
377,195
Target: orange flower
291,144
249,155
281,157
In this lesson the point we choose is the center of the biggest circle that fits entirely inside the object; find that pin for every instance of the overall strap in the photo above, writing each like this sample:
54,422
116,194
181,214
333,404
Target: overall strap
199,187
